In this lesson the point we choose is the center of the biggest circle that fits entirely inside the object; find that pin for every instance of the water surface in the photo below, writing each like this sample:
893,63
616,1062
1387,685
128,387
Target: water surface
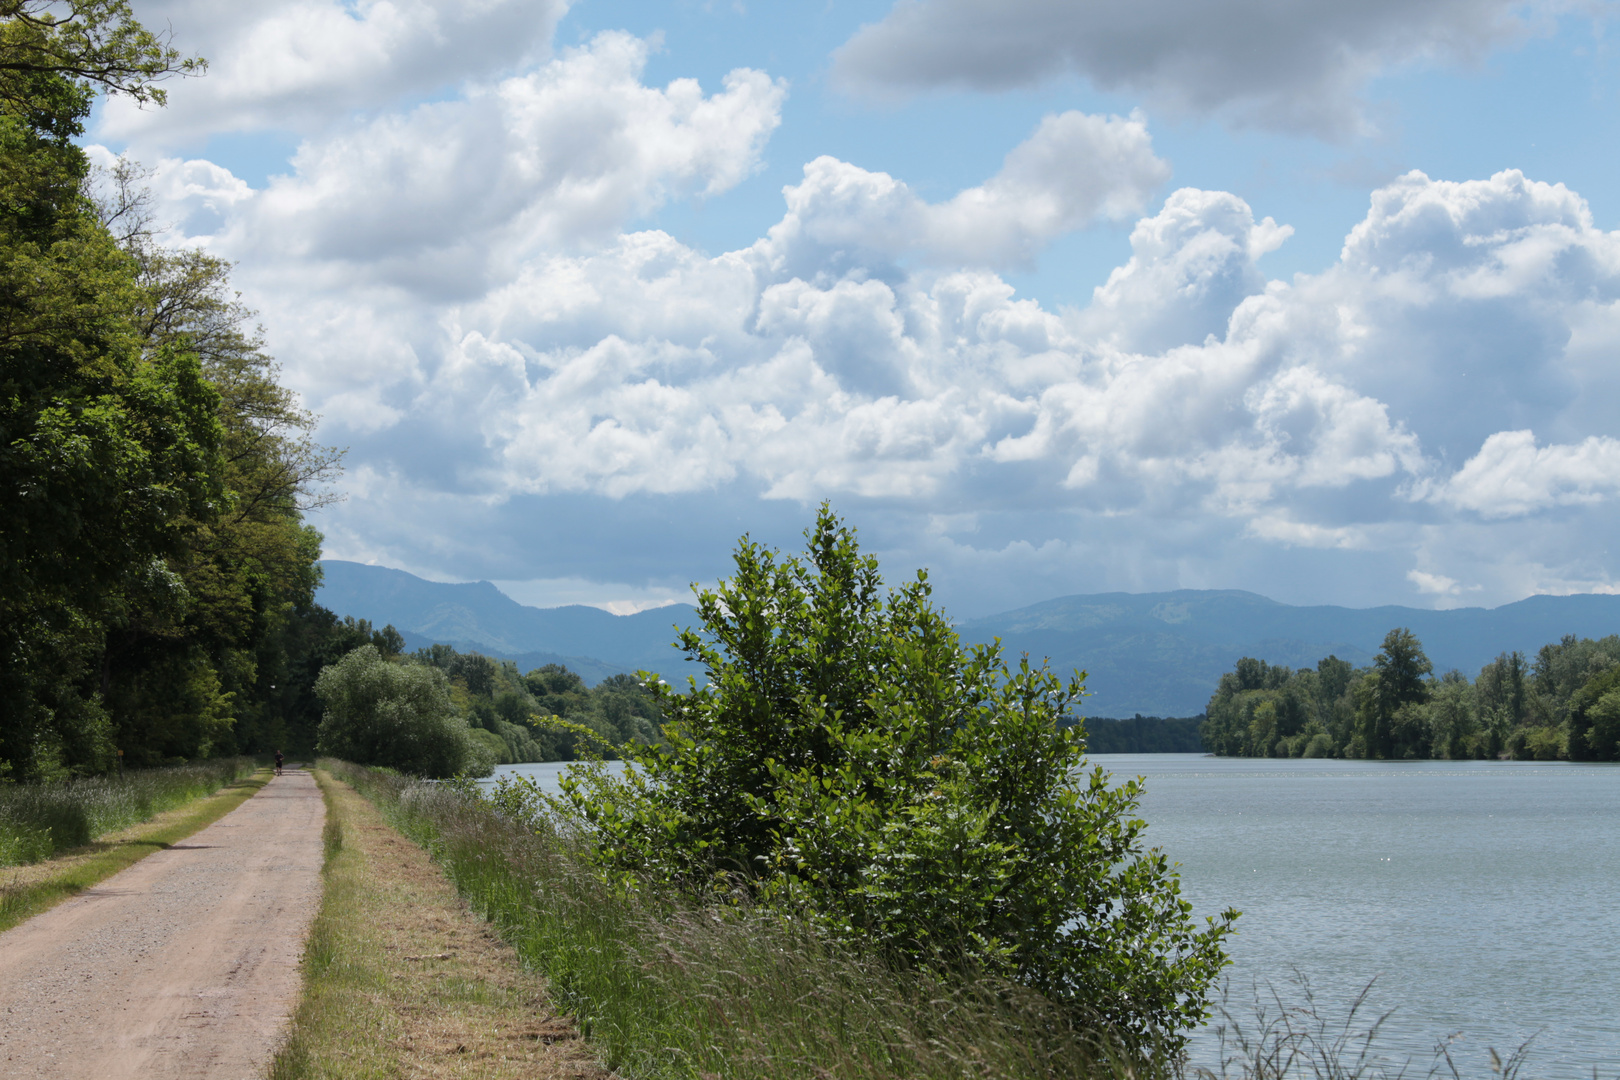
1483,896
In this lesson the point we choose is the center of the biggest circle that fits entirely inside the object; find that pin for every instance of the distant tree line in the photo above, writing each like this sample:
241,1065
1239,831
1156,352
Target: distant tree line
516,709
1144,735
440,712
1563,705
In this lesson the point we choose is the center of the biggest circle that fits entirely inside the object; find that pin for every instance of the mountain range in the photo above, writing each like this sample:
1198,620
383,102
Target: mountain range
1159,654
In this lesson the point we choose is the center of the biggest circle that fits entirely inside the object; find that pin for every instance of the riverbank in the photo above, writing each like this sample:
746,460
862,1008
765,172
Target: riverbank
668,988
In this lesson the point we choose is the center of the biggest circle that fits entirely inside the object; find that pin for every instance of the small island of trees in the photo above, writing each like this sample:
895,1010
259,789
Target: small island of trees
1563,705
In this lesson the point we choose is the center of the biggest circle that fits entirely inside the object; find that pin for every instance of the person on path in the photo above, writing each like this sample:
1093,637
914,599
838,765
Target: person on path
278,762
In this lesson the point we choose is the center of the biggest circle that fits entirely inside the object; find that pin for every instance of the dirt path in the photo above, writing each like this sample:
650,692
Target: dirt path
184,965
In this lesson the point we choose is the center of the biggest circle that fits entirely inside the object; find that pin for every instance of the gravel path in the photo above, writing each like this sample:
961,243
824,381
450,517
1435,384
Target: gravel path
183,965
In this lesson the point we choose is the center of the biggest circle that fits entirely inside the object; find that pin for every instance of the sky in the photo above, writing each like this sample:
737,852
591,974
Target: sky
1314,299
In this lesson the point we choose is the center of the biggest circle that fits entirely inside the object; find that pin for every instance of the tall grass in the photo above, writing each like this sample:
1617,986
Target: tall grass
1291,1034
40,820
666,988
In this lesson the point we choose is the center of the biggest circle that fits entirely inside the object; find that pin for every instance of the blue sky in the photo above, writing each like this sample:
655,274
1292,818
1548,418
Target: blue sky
1317,300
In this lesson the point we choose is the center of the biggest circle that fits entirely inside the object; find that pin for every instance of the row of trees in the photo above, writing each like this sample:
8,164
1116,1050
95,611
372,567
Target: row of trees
156,573
518,710
1143,735
1563,705
440,712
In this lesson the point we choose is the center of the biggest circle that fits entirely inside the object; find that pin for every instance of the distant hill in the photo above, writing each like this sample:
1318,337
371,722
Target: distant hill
592,642
1163,653
1158,654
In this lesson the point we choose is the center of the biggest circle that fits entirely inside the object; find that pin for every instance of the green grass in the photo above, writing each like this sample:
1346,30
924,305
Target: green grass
399,980
38,821
342,995
665,989
34,889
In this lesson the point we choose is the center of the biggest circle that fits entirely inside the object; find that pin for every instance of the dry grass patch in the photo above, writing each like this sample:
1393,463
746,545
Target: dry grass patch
25,891
402,980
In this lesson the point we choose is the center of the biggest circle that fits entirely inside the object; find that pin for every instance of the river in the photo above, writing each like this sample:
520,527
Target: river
1483,896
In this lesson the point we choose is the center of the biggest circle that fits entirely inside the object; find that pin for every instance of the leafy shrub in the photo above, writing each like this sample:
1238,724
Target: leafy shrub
1603,737
398,715
1594,719
490,750
847,759
1320,746
670,987
1543,744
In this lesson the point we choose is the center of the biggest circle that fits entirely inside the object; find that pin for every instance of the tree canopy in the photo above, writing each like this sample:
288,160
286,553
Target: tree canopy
95,43
1551,708
153,556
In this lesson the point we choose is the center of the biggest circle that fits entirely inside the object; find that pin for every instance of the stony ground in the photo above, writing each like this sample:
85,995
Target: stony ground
183,965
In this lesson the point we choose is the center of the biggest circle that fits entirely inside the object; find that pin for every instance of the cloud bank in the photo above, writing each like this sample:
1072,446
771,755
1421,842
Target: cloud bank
293,64
534,388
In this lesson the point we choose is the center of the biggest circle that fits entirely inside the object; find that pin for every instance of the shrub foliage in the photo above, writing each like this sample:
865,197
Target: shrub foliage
849,760
398,715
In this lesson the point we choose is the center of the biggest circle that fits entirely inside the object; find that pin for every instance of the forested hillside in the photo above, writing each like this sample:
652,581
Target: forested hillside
156,574
1564,704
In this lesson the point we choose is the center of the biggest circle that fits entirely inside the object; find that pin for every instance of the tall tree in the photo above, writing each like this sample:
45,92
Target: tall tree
87,43
108,454
153,555
1397,680
250,566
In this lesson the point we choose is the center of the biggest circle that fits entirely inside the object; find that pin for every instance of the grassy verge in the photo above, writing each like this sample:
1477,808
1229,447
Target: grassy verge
400,980
701,993
38,821
27,891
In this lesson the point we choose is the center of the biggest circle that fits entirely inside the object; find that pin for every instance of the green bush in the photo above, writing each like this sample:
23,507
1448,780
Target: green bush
395,714
490,749
1544,744
666,987
1594,719
850,761
1320,746
1603,737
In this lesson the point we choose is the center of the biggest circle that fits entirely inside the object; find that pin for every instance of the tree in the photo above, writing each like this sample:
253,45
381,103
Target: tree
1397,680
847,759
95,42
252,564
1594,718
393,714
153,554
108,454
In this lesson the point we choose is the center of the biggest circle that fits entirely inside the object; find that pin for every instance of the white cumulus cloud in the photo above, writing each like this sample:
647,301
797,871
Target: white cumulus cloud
449,197
287,64
461,288
1073,170
1511,475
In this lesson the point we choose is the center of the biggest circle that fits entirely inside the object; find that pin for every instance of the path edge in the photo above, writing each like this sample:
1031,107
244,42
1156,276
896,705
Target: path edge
18,904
